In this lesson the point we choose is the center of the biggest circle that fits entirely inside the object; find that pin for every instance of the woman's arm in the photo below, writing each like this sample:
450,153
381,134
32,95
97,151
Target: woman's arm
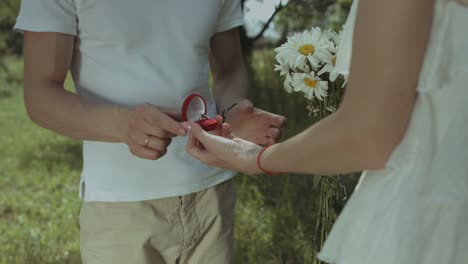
389,45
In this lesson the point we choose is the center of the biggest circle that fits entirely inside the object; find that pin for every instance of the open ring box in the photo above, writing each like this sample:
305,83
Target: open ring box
194,109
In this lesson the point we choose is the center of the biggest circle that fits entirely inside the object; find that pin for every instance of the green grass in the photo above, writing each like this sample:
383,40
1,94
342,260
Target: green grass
40,171
39,175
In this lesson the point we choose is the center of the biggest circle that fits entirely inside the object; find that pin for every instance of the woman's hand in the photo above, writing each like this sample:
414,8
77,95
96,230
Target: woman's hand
223,151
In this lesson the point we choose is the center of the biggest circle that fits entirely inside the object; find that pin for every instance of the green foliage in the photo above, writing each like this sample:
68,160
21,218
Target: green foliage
10,46
10,42
12,76
303,14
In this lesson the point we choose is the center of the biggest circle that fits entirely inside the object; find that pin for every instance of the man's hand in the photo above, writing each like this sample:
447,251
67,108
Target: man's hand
150,131
230,85
253,124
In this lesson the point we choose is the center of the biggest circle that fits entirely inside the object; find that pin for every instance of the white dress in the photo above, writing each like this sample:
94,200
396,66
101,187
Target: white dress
416,210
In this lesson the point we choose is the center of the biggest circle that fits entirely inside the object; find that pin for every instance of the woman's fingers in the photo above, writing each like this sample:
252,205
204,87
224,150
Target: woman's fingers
194,148
197,131
229,153
204,146
198,151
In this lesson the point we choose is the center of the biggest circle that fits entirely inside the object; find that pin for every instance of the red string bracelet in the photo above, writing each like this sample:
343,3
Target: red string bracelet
259,156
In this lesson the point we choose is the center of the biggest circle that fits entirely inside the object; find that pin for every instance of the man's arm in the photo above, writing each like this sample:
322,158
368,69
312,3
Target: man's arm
230,87
228,69
47,58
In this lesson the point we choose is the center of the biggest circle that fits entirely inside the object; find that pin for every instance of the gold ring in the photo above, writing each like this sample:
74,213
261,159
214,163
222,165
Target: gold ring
147,141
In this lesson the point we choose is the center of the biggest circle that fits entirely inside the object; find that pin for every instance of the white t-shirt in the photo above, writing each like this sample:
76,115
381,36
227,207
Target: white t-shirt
130,53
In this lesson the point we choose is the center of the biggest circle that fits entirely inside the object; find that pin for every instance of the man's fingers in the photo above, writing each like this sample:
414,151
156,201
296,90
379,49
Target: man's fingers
169,124
173,113
219,127
145,153
159,144
219,119
154,136
269,141
278,121
157,118
262,140
226,131
152,130
274,132
137,138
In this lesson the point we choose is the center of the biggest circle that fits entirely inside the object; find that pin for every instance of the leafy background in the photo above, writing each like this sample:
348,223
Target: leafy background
39,170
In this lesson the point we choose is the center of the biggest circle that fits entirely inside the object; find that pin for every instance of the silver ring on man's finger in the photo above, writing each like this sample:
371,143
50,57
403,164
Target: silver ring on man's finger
147,141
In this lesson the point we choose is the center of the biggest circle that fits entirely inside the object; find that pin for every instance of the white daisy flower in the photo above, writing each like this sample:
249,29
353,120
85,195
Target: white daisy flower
331,40
332,47
330,68
288,83
333,36
282,67
307,46
311,85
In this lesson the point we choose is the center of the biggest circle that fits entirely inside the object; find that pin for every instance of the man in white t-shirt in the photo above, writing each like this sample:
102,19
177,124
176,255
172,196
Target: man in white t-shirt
133,63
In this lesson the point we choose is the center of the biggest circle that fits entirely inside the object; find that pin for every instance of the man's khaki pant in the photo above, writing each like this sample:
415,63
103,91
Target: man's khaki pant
195,228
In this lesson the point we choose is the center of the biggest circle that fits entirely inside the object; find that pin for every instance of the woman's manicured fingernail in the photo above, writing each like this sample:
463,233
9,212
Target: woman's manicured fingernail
186,126
182,132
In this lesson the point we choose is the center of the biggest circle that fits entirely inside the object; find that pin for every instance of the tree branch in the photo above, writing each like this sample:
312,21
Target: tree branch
267,24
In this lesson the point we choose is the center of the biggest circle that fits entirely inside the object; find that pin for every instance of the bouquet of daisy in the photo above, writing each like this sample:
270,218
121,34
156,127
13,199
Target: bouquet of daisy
307,60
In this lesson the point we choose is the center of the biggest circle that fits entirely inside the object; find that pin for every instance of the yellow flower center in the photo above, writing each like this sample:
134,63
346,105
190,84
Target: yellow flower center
311,83
334,61
307,49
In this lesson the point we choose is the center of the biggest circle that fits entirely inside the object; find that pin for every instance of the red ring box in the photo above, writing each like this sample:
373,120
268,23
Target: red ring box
194,109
